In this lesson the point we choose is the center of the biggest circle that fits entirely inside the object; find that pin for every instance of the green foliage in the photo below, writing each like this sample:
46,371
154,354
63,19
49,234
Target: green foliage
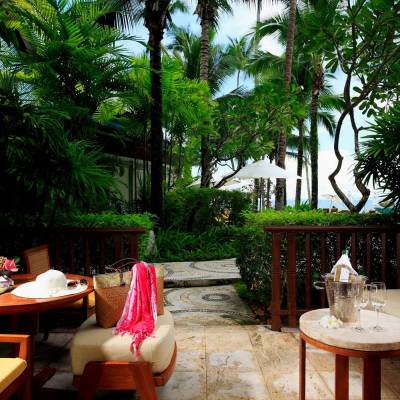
380,158
254,262
73,63
107,220
42,169
291,216
254,248
247,123
50,96
186,47
196,210
211,244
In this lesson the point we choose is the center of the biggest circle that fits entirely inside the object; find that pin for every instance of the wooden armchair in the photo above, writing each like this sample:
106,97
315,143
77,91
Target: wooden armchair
37,261
15,373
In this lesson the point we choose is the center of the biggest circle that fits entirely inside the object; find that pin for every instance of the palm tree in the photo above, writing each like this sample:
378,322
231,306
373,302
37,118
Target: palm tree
156,14
311,20
239,51
186,45
208,12
280,190
49,96
328,103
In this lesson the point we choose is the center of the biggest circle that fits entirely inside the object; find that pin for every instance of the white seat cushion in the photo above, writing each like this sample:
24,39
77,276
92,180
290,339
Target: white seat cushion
93,343
392,306
10,370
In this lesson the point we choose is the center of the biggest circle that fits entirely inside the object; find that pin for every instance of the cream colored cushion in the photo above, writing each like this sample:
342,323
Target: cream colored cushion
392,306
93,343
10,370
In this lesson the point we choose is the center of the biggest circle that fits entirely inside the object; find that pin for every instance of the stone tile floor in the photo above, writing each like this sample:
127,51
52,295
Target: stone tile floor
222,354
234,362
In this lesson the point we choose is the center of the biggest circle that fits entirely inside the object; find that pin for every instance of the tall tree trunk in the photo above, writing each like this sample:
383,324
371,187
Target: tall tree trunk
318,79
282,141
300,155
156,135
308,182
206,174
268,193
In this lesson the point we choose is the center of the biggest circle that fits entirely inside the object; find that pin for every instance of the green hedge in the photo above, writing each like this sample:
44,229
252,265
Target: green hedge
292,216
113,220
108,220
254,247
212,244
197,210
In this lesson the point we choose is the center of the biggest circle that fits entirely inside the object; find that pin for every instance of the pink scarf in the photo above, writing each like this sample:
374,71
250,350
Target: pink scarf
140,310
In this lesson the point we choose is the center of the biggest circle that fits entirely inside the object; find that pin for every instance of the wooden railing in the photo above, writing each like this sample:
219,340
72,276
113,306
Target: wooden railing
302,254
89,250
84,251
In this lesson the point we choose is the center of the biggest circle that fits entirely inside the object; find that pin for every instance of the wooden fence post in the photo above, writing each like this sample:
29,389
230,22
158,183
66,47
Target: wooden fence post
276,322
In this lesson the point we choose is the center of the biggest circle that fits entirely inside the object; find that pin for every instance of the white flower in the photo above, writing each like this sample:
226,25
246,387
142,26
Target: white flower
330,322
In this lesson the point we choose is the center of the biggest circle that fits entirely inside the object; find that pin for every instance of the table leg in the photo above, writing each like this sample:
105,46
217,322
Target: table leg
302,370
371,386
341,377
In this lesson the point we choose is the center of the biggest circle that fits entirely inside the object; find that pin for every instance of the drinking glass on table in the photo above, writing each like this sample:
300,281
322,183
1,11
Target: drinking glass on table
361,300
378,300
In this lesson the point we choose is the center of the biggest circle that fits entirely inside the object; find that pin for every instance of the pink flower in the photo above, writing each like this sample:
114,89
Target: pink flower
9,265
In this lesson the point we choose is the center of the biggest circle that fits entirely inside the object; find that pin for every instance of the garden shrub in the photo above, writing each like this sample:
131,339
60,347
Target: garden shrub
113,220
107,220
213,244
292,216
196,210
254,247
254,262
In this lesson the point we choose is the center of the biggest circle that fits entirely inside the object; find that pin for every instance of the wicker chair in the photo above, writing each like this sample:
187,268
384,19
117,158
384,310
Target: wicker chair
37,261
15,374
101,360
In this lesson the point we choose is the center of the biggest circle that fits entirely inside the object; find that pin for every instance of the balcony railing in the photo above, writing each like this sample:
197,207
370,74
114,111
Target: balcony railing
86,251
301,254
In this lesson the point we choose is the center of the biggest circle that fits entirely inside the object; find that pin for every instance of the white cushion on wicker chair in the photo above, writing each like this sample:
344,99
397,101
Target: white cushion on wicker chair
93,343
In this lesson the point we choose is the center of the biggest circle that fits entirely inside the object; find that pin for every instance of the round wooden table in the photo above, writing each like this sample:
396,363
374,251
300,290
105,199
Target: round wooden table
18,306
345,342
12,305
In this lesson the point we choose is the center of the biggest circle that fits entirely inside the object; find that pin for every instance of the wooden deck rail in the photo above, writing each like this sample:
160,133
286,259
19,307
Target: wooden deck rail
83,251
301,254
89,250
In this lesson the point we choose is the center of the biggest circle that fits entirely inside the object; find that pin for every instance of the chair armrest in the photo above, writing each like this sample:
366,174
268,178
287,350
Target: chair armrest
22,340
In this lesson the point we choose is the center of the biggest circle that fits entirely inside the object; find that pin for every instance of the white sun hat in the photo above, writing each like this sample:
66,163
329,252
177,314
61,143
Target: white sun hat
51,283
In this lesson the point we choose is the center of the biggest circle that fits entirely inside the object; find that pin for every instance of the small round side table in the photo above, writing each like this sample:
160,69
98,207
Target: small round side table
345,342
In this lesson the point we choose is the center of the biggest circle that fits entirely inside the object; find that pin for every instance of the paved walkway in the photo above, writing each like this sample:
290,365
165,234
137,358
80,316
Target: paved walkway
200,273
201,293
211,305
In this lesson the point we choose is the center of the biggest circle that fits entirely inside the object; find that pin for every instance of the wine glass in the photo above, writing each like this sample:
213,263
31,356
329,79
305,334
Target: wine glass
378,300
361,300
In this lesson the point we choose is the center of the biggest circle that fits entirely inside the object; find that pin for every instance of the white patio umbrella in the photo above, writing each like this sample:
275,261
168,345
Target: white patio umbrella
238,184
264,169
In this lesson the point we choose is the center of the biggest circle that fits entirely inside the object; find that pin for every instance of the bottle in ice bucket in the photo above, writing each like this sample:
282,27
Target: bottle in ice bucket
342,284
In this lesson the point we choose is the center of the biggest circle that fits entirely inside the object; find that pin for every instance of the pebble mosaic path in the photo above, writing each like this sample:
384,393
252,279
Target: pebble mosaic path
222,355
200,273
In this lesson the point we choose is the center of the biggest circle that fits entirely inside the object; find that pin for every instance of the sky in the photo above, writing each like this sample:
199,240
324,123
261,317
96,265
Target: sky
240,23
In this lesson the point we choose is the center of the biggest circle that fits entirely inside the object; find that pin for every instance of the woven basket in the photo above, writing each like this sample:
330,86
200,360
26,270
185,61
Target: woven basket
111,291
